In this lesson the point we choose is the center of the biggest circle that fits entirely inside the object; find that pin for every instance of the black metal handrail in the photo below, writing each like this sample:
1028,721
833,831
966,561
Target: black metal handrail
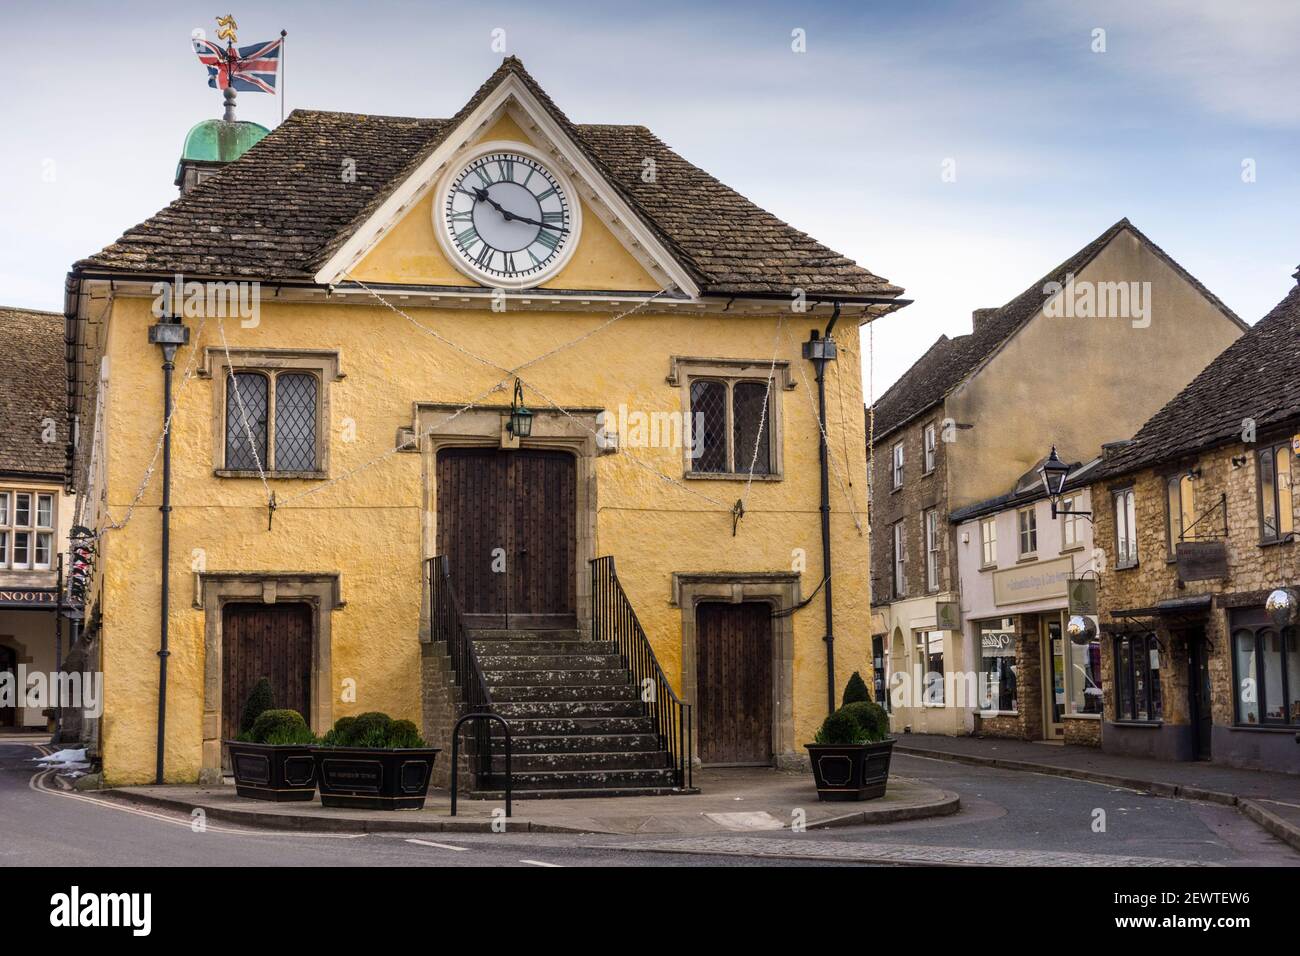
447,624
613,619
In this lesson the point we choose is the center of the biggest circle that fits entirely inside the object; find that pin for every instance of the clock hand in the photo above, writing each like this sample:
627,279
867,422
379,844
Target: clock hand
510,216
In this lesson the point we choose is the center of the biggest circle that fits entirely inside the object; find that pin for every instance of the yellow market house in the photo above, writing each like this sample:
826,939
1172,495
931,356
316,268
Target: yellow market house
499,389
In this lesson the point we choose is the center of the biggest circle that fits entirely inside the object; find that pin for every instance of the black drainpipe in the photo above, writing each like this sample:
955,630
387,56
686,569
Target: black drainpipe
820,365
170,334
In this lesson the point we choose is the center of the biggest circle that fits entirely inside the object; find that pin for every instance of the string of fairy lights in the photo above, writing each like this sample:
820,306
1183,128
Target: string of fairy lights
508,373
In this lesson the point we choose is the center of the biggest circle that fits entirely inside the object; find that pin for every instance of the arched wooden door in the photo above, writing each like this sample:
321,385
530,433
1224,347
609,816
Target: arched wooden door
265,640
507,524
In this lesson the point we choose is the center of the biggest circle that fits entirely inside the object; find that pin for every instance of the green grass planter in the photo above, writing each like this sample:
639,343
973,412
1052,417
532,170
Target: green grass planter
372,762
850,759
273,760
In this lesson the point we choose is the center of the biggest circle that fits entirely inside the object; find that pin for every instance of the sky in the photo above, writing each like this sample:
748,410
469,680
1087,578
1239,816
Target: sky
1182,115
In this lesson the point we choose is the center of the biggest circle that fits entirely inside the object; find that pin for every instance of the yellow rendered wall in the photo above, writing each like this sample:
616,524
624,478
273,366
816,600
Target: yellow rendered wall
368,527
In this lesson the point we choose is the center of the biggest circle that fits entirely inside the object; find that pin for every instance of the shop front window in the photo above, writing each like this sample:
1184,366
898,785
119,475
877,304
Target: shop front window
1137,677
997,644
929,655
1085,677
1267,662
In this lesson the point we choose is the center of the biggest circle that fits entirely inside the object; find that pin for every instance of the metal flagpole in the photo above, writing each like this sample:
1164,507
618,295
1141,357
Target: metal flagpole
283,35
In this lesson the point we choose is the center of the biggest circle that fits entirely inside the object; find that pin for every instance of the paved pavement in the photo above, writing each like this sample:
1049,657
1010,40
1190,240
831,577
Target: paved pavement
736,800
1007,817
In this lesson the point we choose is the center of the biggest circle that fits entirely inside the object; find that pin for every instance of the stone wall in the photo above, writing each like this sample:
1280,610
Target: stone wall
440,708
1027,722
908,503
1083,732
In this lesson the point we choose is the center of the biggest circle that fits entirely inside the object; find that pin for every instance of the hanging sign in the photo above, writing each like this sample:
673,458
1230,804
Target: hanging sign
947,615
1082,593
1202,560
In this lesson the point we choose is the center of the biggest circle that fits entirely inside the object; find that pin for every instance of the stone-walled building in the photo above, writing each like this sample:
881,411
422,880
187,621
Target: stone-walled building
978,411
1197,520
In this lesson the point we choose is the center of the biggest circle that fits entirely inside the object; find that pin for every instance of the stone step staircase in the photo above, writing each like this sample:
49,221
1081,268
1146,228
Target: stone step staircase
577,724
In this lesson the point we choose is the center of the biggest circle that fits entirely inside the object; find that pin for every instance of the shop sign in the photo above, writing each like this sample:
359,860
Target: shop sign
1083,596
947,615
1039,581
28,597
1202,560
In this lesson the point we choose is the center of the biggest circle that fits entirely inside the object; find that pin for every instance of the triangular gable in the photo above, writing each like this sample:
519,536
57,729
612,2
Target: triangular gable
510,95
409,252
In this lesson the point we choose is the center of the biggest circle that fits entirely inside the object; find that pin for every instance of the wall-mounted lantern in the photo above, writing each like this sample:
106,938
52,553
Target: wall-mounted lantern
521,419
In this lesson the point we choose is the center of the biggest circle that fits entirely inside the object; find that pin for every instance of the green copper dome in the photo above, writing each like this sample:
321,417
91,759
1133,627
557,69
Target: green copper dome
216,141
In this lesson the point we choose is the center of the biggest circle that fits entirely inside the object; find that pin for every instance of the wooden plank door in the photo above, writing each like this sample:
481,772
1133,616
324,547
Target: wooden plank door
506,521
473,530
733,677
543,539
265,640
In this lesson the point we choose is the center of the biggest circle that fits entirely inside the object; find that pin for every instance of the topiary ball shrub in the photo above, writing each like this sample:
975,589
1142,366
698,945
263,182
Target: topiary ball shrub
280,727
856,690
840,728
859,723
871,717
260,699
373,730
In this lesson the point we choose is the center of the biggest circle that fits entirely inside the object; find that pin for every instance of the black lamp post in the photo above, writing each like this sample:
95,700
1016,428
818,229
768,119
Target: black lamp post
170,334
820,350
521,419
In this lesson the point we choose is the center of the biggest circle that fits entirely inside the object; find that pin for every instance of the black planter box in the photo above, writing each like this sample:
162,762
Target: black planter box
273,771
367,779
851,771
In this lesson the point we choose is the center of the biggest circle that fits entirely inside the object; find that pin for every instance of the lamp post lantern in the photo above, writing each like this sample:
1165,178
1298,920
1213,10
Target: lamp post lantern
1053,472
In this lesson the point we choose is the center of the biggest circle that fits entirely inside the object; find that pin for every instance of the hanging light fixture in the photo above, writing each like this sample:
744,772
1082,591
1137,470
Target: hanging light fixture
521,419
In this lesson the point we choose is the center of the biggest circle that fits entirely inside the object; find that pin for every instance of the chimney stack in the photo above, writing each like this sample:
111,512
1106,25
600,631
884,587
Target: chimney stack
980,317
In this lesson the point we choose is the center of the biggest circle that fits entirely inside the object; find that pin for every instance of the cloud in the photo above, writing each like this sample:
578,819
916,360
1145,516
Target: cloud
1234,59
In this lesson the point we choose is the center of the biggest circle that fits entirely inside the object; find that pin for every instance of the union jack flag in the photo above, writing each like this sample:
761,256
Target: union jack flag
249,69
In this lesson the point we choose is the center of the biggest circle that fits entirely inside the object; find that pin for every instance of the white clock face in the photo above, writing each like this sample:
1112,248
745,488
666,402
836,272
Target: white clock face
507,219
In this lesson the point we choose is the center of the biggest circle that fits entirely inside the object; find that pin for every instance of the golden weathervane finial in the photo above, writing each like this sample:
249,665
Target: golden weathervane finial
226,27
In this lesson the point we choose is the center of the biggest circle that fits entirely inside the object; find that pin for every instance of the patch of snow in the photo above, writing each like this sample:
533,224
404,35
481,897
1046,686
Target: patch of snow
63,756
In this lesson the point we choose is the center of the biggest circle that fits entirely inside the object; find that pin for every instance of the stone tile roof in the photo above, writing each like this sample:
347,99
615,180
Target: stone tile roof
33,387
283,209
1257,377
950,361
